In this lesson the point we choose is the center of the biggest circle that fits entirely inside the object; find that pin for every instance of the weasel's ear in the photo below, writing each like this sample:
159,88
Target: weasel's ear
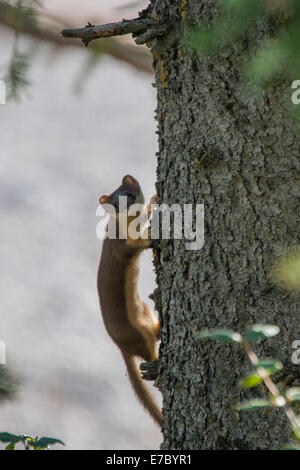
103,199
130,180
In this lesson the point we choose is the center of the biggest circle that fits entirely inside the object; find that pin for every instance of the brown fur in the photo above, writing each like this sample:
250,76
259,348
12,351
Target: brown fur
128,320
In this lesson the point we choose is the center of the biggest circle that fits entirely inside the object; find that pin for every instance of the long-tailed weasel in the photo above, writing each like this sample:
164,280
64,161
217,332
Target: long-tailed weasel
128,320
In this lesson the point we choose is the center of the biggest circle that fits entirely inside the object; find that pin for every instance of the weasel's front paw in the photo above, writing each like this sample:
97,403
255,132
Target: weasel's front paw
153,200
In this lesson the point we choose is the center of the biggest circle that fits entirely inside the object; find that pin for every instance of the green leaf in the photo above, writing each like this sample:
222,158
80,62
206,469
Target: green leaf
296,431
267,62
238,16
41,443
44,442
13,438
271,366
286,272
293,394
252,404
261,331
222,335
250,380
10,446
7,437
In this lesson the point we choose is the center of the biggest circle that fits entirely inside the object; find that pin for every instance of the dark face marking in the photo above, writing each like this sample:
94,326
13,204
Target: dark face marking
129,188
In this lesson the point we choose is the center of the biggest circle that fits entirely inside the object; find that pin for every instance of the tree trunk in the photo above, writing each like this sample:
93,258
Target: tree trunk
234,150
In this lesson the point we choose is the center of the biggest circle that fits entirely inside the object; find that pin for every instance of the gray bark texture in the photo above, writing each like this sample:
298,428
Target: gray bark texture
223,144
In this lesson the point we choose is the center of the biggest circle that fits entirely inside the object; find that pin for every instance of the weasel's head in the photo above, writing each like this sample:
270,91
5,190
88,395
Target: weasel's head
129,188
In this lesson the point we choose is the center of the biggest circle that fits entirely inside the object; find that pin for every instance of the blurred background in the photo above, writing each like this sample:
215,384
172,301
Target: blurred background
84,121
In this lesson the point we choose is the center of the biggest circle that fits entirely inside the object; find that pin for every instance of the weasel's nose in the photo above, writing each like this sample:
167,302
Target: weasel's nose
104,199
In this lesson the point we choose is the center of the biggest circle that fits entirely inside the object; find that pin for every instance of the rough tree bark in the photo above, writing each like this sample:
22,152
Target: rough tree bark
235,151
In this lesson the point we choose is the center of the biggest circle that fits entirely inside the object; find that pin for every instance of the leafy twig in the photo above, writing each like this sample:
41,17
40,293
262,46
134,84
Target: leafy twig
263,370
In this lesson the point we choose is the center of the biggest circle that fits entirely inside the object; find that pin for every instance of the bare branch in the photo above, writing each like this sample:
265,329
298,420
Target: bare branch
144,28
11,17
90,32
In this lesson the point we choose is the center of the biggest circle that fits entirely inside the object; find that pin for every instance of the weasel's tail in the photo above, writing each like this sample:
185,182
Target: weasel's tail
142,392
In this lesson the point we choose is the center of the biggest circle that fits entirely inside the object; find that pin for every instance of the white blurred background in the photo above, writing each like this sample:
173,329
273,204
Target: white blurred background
60,151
